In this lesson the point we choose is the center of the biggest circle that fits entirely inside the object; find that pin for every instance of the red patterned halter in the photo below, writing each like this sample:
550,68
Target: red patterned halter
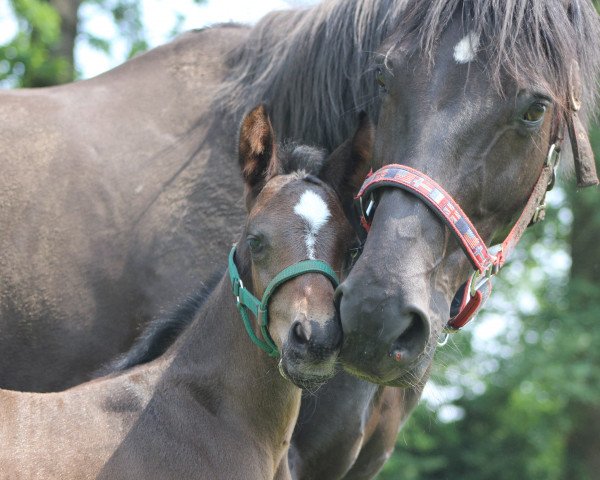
487,262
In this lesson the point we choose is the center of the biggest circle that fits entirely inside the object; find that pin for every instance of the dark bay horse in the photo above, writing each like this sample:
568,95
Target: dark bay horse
118,195
214,405
479,97
153,204
116,198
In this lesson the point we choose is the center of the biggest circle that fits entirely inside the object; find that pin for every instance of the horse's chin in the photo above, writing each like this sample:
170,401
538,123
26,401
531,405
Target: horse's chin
389,374
307,376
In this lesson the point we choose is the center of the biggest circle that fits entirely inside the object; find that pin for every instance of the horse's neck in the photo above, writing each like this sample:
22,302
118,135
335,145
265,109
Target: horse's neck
232,377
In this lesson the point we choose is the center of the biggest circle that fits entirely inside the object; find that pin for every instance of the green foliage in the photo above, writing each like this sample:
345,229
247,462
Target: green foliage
126,15
41,52
29,59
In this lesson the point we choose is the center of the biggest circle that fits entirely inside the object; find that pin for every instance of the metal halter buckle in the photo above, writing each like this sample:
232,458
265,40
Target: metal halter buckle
540,212
552,161
239,285
367,211
478,279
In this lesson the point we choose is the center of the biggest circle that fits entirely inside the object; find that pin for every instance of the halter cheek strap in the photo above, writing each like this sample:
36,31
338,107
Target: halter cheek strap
486,262
247,302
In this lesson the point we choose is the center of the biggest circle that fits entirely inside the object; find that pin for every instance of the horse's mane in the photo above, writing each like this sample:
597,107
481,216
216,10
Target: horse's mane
161,332
319,57
312,65
528,40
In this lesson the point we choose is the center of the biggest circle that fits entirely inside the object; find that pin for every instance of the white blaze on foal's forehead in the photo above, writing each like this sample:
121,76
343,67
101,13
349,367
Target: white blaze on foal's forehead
314,211
466,49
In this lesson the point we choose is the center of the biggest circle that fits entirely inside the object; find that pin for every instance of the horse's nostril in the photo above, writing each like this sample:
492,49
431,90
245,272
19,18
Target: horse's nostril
412,341
301,334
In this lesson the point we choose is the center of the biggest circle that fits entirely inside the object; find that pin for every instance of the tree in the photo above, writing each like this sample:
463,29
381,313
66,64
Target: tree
41,53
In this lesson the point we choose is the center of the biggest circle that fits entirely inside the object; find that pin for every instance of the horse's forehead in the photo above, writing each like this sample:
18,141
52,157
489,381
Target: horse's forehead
312,208
291,194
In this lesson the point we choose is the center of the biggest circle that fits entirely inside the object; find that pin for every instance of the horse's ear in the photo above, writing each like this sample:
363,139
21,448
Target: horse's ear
257,151
347,167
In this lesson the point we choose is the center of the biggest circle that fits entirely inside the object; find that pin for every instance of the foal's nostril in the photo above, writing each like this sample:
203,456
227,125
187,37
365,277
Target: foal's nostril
301,334
412,341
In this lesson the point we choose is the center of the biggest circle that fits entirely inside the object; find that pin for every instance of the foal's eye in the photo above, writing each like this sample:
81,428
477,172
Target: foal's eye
535,113
379,77
254,244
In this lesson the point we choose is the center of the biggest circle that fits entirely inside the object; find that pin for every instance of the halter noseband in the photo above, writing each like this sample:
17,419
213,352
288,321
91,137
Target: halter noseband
487,262
246,301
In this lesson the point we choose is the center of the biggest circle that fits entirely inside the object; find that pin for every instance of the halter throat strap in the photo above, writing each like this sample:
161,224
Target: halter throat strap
247,302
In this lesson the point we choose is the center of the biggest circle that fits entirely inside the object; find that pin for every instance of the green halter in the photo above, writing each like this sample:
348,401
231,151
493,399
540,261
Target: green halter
246,301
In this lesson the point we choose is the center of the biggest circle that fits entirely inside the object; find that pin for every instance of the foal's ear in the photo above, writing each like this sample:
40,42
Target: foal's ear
347,167
257,151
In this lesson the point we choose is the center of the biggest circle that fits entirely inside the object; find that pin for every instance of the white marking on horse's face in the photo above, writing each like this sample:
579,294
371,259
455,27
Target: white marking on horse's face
466,49
314,211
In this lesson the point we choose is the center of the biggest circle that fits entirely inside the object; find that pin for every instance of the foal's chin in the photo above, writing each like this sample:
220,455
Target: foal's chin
307,375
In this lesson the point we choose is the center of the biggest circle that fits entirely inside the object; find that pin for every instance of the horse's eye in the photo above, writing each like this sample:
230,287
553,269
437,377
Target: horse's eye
254,243
379,77
535,113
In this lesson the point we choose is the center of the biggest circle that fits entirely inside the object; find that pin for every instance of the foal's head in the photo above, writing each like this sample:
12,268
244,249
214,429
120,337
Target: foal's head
294,199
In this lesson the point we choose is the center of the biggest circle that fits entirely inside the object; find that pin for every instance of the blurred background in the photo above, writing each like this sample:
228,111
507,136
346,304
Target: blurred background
517,394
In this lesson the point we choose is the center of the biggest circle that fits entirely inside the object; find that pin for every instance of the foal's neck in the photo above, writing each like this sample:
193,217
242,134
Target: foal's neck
230,376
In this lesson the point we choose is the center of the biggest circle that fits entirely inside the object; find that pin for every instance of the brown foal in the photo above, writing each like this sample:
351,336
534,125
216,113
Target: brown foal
214,406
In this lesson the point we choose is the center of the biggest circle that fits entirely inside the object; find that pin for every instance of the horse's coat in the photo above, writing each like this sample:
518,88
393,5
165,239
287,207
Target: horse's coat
115,198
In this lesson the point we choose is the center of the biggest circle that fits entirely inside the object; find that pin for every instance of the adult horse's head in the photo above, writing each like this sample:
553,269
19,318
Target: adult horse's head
474,94
295,240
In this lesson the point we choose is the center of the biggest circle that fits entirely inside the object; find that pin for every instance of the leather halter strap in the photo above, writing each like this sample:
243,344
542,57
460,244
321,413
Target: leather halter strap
486,262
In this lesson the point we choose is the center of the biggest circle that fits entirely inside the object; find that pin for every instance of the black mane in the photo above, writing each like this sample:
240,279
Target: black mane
313,66
161,333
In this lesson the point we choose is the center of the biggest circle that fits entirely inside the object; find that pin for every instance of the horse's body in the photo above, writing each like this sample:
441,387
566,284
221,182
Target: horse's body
152,218
175,417
105,221
118,197
346,429
164,227
214,405
350,438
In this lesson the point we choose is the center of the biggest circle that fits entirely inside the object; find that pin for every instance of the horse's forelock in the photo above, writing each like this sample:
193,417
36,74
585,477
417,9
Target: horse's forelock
296,157
524,39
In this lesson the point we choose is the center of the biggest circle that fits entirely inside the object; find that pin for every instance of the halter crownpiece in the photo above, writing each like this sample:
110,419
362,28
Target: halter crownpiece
246,301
